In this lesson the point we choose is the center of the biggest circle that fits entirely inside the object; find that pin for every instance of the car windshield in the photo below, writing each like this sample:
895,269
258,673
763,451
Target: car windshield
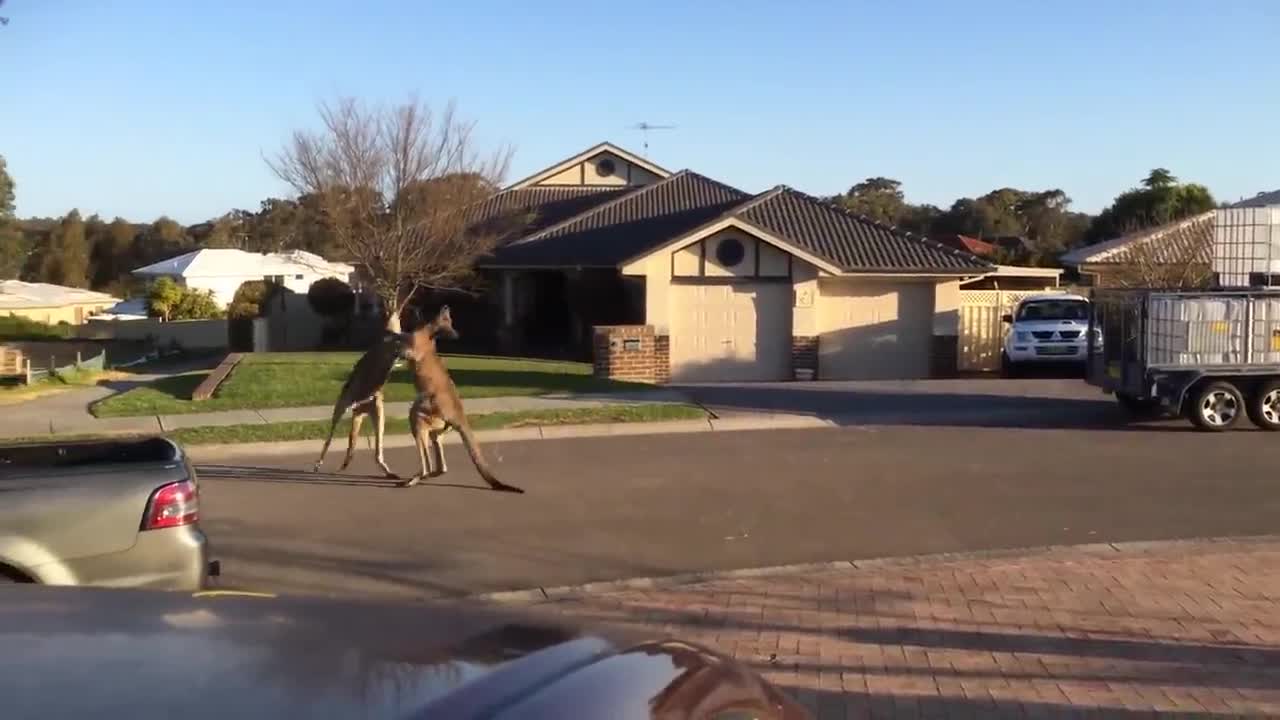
1054,310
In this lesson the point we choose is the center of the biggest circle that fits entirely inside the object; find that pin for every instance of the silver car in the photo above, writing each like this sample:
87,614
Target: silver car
122,513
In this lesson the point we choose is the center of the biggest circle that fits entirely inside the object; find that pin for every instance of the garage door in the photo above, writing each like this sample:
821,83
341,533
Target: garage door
730,332
874,330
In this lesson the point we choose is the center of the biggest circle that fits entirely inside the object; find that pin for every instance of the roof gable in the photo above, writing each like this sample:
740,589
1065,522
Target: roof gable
852,242
555,174
1171,243
629,224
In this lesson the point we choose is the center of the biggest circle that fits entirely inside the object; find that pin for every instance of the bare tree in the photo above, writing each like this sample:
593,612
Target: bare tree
1174,257
396,187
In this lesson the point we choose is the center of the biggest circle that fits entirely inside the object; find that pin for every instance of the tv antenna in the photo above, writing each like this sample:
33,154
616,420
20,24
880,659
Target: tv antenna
645,127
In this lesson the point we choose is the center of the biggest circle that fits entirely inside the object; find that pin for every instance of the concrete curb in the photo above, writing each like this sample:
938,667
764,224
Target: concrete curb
205,453
1063,553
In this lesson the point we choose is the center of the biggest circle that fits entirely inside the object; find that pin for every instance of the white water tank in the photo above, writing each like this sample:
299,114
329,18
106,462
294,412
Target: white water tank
1246,245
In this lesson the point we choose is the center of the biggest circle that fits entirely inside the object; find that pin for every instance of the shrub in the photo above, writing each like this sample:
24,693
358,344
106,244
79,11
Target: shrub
248,299
331,297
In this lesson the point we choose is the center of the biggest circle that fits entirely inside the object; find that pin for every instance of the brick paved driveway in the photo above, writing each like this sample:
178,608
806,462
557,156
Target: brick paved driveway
1131,629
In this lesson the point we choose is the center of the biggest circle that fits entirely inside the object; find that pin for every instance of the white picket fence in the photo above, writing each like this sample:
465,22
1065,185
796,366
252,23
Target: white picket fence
981,330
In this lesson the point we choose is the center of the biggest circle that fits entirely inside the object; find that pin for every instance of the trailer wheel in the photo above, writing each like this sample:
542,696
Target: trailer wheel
1264,406
1216,406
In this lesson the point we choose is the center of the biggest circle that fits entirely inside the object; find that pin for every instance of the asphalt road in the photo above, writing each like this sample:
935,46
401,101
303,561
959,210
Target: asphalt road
611,508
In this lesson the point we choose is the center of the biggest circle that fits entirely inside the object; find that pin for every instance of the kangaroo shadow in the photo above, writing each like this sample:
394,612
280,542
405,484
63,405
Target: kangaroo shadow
249,473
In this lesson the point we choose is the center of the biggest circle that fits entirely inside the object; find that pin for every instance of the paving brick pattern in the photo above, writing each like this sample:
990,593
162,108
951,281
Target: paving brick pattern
1127,631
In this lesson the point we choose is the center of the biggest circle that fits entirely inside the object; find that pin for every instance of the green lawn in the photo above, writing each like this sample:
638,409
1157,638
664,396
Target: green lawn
274,380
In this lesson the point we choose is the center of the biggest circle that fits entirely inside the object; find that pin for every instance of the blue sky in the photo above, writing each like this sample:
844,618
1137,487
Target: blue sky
144,107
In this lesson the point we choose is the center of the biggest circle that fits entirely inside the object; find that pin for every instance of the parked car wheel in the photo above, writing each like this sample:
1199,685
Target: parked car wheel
1216,406
1138,408
1264,406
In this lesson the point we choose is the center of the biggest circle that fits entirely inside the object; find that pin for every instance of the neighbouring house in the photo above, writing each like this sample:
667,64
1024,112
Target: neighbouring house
223,270
677,276
1155,256
51,304
1016,277
981,248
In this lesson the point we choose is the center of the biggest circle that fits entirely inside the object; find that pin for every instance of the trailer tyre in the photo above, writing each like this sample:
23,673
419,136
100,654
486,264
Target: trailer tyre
1264,406
1216,406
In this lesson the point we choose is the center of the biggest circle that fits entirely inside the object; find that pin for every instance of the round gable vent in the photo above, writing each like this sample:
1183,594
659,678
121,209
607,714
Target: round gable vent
730,252
605,168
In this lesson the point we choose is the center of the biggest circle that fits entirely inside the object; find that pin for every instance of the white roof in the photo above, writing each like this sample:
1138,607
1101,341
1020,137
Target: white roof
1025,271
15,294
230,262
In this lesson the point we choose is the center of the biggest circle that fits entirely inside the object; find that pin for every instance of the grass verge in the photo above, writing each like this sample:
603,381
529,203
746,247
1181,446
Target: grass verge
277,380
18,393
317,429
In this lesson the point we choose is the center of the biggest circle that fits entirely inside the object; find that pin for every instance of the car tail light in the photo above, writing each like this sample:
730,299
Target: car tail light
173,505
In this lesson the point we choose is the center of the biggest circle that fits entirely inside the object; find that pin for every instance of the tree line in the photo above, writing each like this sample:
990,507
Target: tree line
1042,220
389,189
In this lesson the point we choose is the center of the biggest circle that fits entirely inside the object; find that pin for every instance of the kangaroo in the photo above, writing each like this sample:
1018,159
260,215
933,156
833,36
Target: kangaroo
438,408
362,395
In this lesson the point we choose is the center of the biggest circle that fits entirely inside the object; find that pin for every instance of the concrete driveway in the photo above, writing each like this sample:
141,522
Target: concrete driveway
1045,403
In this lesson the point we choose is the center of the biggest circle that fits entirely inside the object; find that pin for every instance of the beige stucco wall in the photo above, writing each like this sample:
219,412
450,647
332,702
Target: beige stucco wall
585,173
64,313
946,308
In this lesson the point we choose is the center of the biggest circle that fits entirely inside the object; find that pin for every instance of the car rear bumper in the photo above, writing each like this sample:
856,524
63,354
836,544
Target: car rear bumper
167,559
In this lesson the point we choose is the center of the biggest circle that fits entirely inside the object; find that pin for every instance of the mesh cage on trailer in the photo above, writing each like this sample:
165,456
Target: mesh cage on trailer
1246,247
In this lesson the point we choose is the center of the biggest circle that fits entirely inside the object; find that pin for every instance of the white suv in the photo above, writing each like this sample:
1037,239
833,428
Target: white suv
1046,329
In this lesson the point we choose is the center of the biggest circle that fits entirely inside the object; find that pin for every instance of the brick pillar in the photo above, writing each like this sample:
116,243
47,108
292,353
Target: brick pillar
624,352
662,359
804,357
944,356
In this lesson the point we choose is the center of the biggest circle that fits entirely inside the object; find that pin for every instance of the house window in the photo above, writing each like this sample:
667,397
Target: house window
297,277
730,252
605,168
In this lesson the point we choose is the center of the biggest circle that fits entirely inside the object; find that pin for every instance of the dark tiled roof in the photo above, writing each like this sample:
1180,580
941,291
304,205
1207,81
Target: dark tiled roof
1175,242
626,226
852,242
528,210
1260,200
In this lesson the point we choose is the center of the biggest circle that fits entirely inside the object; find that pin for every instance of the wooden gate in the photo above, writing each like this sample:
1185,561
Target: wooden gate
981,330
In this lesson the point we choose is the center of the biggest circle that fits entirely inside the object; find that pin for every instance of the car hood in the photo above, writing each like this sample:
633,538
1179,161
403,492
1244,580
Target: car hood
117,653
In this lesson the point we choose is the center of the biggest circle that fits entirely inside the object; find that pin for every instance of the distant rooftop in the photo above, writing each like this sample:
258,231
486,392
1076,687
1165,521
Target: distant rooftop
230,262
16,294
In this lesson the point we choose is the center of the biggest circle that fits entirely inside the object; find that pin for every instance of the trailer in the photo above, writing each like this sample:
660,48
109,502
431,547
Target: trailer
1210,356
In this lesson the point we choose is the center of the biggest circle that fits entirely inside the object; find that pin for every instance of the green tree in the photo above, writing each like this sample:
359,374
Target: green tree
163,298
1160,200
247,302
161,240
112,255
331,297
196,305
65,257
878,198
7,189
14,246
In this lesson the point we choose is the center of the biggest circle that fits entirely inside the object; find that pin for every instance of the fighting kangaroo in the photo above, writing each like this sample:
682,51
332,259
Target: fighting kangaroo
362,395
438,408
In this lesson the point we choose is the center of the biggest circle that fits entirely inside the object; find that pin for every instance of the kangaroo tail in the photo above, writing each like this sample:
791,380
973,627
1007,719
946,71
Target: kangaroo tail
477,457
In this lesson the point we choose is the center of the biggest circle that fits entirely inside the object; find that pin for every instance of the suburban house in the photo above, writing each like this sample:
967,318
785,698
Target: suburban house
1152,256
677,276
51,304
981,248
223,271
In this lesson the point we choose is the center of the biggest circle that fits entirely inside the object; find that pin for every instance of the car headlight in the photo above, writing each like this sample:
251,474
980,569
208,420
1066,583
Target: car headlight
1022,336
